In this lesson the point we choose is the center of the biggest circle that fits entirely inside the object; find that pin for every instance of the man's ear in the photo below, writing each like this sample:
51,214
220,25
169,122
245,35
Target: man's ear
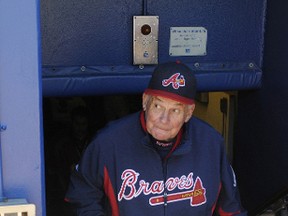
189,113
145,99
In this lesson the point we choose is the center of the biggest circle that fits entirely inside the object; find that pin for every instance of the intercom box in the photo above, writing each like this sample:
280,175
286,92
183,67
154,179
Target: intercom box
145,40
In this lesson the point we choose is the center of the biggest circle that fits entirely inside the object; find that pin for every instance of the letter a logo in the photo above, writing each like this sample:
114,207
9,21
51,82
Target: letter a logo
176,80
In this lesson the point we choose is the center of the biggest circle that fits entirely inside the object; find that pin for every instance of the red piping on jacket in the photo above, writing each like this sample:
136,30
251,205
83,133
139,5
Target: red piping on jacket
110,193
221,211
214,206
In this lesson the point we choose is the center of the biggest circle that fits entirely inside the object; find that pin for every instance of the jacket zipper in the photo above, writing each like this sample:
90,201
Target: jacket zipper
165,194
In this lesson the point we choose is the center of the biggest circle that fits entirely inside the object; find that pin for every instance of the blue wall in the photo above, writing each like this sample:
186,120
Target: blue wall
261,139
20,102
98,35
100,32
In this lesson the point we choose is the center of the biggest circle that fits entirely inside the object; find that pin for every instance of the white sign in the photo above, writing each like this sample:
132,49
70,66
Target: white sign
188,41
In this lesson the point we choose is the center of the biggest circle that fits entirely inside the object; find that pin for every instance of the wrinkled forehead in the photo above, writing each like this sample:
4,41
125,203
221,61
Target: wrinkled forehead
166,101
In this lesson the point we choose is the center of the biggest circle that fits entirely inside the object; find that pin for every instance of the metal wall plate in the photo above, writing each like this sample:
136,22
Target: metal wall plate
188,41
145,39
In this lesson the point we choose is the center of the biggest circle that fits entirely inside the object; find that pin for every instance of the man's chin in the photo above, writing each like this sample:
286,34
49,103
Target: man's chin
162,138
161,135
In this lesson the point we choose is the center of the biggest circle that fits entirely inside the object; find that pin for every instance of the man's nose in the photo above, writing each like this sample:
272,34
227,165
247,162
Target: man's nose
165,116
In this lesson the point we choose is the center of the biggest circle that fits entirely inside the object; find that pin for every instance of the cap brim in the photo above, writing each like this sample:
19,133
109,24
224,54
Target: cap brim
169,95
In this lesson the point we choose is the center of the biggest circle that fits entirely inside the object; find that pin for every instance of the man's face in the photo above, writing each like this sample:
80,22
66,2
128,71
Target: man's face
165,117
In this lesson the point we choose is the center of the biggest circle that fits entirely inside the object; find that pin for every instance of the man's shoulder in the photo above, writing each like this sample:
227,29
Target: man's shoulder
121,126
125,121
197,124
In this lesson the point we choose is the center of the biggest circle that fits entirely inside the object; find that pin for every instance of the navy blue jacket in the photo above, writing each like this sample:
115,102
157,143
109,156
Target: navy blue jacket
121,173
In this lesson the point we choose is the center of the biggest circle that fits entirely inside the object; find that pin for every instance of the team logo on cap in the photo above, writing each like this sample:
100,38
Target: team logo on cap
176,80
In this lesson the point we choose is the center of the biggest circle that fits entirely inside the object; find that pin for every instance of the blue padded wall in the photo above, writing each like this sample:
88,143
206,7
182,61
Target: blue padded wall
261,143
99,34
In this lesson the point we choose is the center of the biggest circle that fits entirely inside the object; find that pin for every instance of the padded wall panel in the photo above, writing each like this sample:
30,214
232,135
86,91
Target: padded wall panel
94,33
69,81
97,32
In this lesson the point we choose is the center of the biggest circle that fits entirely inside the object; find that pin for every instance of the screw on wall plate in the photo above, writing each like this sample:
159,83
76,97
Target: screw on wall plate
3,127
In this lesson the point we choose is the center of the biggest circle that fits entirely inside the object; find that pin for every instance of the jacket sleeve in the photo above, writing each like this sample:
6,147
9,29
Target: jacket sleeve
229,199
86,186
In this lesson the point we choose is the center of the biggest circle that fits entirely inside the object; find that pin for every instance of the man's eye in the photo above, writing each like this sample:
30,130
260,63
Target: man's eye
157,106
176,110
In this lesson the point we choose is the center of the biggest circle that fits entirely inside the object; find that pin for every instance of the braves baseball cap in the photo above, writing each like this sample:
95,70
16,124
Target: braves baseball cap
173,80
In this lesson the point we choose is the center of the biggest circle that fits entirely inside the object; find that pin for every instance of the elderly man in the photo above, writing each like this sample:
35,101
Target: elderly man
160,161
